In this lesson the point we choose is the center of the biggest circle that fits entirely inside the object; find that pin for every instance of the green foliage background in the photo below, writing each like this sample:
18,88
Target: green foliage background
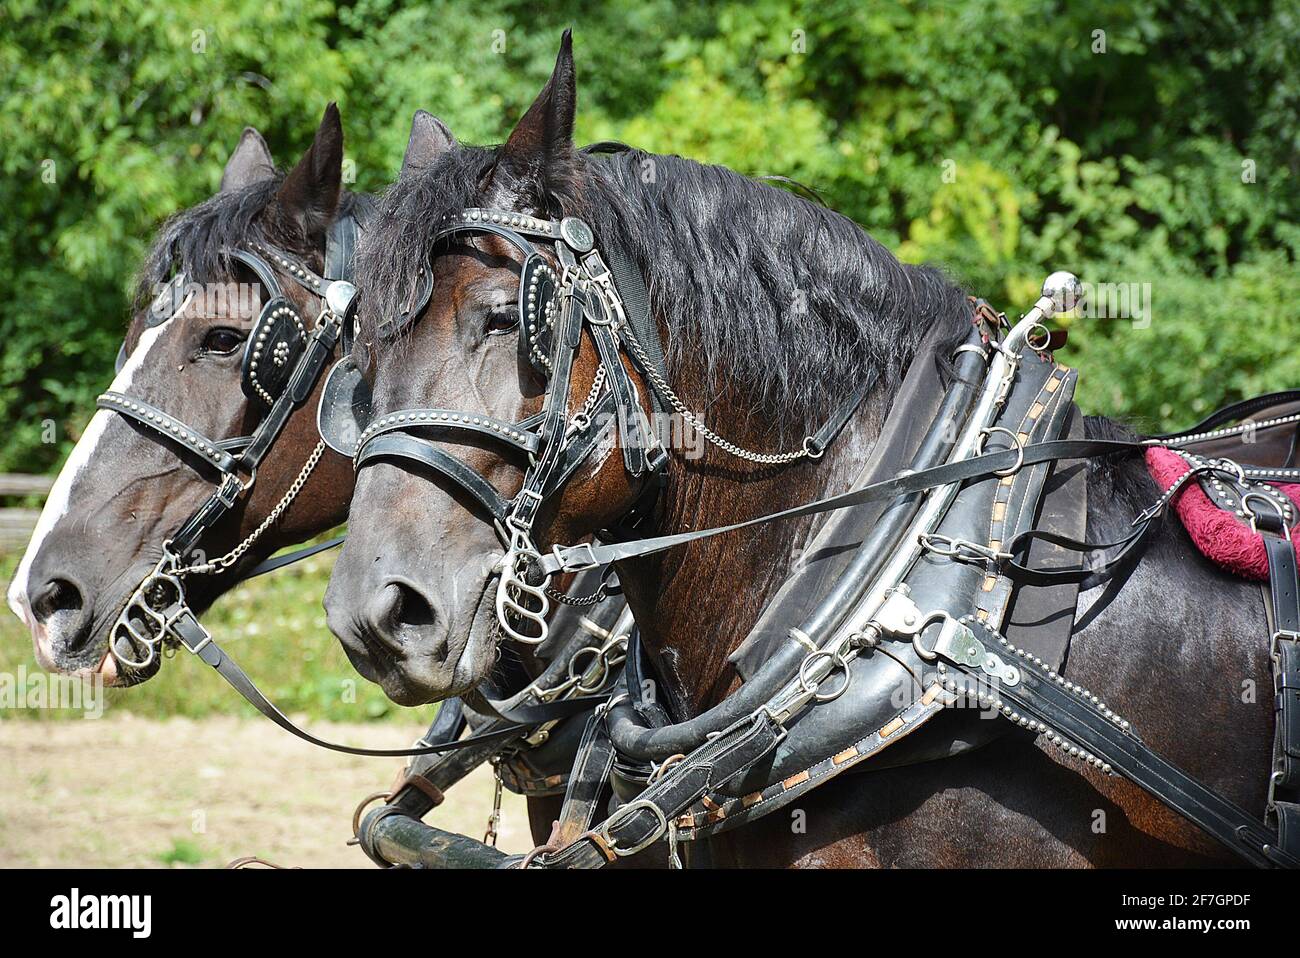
1125,166
1128,165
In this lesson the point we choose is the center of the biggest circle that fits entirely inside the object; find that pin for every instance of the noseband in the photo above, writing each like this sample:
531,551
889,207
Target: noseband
282,363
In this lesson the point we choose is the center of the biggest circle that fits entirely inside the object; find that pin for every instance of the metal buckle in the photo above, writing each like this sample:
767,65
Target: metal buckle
656,456
567,565
1281,634
229,490
626,812
1254,526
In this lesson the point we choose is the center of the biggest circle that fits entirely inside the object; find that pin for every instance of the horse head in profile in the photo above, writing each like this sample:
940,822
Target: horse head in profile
760,336
122,492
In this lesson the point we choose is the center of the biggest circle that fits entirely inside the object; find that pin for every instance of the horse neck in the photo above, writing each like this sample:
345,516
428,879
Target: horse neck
695,605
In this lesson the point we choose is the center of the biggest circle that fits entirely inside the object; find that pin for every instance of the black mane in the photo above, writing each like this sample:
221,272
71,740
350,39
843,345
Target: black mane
777,294
195,240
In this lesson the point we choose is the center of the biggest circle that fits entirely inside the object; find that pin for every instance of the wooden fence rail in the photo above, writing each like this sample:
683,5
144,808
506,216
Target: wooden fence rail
17,522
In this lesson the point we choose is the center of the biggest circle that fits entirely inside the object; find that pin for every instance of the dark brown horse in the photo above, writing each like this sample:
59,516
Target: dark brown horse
772,310
121,494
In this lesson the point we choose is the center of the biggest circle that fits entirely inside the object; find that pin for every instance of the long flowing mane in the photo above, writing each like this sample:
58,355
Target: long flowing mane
782,297
196,241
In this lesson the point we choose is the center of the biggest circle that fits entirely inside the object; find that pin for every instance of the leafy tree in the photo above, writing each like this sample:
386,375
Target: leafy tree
1149,141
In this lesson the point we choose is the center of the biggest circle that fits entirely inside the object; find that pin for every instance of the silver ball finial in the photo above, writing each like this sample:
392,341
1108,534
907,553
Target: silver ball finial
1064,290
338,296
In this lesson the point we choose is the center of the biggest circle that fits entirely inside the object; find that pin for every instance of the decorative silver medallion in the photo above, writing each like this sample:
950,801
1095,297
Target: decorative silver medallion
577,234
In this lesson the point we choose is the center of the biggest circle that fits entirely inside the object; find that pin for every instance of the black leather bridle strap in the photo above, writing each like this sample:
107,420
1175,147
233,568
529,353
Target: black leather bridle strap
210,451
340,247
452,421
636,307
289,558
635,445
423,451
574,558
1122,554
197,640
318,353
1232,413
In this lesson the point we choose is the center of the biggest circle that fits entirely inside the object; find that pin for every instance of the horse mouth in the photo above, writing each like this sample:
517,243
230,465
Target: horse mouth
483,629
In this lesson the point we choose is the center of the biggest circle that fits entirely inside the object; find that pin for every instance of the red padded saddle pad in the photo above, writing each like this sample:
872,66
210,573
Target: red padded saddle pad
1223,537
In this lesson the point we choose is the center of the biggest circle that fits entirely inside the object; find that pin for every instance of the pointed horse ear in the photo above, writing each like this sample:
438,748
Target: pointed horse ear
310,192
540,148
430,138
250,163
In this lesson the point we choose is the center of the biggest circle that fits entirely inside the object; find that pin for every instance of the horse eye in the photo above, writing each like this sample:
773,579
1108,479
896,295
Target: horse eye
502,320
222,340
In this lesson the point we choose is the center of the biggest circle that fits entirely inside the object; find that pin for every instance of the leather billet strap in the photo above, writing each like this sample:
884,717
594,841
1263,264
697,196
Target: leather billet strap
587,780
1284,653
1071,712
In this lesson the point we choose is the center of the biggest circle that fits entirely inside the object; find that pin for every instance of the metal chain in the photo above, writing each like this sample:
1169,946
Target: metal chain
593,394
582,602
235,554
765,458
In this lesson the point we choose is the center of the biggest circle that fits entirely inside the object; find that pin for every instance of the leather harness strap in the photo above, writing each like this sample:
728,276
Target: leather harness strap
1284,654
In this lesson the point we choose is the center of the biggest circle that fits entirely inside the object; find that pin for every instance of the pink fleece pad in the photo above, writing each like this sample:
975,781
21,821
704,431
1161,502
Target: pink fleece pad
1222,536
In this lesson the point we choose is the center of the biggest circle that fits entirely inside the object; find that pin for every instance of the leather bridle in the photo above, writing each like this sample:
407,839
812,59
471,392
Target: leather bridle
555,312
147,618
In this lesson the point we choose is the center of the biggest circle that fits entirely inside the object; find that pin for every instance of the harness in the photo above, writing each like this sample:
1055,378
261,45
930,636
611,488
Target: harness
282,363
555,309
929,592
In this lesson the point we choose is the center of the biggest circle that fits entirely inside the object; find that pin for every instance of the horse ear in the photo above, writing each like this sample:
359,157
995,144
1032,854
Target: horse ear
250,162
541,143
430,138
310,193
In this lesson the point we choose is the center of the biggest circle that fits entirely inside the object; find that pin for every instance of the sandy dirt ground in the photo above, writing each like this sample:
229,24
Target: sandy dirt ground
126,792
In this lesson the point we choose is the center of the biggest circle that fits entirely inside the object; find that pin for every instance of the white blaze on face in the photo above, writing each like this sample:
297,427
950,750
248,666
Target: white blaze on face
60,497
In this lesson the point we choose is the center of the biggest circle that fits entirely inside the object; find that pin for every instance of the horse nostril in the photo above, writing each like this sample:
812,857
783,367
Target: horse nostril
57,595
410,607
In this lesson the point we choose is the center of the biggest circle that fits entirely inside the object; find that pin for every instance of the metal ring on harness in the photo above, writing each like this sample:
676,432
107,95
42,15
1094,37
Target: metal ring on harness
361,807
535,853
1276,506
928,655
836,655
1015,440
1041,346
